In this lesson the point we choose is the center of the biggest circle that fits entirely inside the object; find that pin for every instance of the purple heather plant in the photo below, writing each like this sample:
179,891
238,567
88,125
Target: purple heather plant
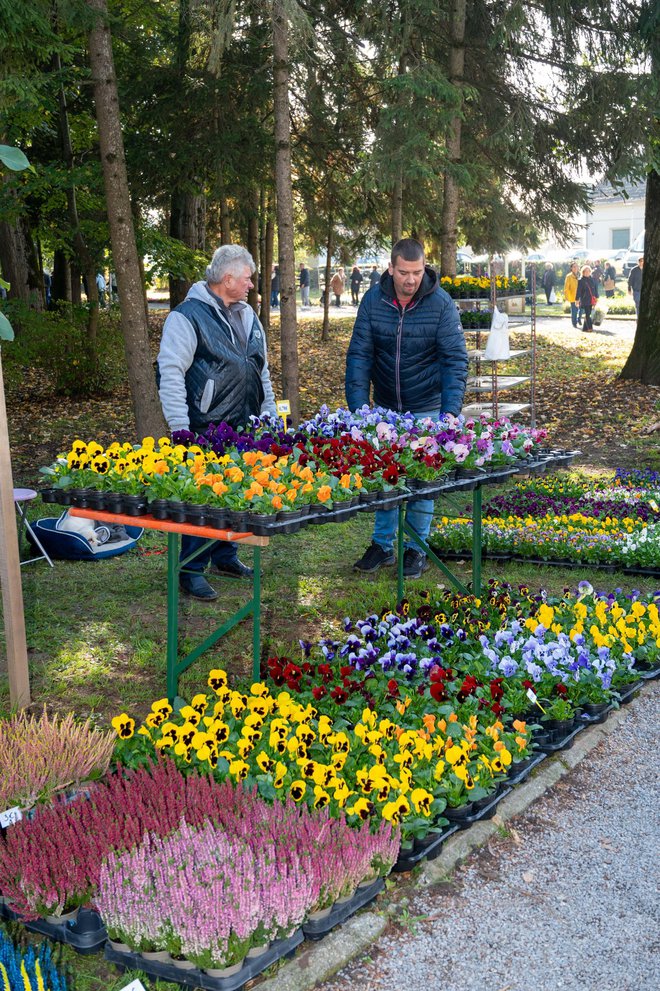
40,756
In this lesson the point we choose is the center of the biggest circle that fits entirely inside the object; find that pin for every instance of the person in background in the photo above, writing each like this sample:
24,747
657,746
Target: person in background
409,343
275,287
304,285
549,280
113,288
597,273
213,367
635,282
609,279
587,297
338,284
47,287
374,277
356,282
570,293
100,285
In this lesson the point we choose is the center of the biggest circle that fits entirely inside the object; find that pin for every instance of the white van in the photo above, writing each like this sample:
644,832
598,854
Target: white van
635,252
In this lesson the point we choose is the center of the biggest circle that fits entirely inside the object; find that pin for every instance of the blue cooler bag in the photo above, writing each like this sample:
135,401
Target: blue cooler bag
68,546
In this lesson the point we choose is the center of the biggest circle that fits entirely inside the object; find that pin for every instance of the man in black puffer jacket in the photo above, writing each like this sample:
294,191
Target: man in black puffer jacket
407,341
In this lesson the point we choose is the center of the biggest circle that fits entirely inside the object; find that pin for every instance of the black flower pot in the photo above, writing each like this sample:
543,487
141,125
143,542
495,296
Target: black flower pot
96,500
159,509
368,497
558,727
460,813
134,505
80,497
50,495
195,514
114,502
237,520
595,708
261,524
216,517
176,510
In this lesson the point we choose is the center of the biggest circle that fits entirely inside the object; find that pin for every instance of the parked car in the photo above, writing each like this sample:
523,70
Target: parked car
634,253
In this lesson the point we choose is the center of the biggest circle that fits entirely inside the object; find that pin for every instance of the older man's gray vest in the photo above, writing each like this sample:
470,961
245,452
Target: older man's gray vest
235,371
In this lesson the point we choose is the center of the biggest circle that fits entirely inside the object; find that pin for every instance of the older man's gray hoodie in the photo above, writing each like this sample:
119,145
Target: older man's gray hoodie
207,373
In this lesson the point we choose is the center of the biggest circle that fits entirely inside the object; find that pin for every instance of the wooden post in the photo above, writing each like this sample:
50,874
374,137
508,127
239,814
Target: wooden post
10,572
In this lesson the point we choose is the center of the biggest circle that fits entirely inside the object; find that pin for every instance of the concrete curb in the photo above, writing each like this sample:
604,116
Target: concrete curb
318,962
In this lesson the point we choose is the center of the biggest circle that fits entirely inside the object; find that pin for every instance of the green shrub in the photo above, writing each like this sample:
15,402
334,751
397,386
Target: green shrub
56,343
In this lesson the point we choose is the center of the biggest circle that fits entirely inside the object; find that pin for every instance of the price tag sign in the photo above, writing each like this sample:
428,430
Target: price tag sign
135,985
532,698
10,817
284,409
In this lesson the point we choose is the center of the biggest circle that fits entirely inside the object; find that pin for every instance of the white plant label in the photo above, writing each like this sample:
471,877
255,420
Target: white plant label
10,817
135,985
283,407
531,696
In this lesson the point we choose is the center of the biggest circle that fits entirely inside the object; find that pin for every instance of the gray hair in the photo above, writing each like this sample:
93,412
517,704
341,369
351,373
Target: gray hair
227,259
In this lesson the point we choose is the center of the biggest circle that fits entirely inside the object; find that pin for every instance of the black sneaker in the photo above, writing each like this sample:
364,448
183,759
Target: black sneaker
374,557
233,569
414,563
198,587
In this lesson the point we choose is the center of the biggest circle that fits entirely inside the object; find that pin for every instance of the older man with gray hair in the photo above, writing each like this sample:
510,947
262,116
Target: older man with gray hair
213,366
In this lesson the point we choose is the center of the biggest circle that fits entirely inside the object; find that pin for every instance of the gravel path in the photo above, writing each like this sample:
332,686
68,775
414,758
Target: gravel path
564,899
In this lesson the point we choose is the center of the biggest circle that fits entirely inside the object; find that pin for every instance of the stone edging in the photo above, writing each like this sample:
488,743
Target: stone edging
318,962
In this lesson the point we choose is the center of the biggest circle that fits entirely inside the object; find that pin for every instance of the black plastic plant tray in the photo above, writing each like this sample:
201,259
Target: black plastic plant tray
516,779
563,743
487,812
197,978
650,674
86,935
597,719
627,694
318,928
427,849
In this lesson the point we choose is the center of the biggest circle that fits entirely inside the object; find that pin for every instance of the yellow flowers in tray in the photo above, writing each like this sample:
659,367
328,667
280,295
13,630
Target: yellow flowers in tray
376,768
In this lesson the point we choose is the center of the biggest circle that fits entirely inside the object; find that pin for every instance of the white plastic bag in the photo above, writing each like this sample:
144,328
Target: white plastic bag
497,347
553,296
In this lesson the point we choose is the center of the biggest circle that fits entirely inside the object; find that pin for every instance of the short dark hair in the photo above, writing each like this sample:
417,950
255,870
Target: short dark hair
407,248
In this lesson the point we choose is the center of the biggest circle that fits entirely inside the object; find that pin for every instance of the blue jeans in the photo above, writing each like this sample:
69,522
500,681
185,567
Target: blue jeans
220,552
637,295
575,314
418,515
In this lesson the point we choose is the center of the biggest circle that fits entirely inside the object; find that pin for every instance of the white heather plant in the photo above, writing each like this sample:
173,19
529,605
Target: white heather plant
40,756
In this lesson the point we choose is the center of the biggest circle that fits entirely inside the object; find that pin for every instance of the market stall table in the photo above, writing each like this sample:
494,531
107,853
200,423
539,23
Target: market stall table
176,666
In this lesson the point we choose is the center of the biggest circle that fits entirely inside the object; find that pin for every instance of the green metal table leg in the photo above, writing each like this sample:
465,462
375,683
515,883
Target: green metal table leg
172,614
476,541
256,616
399,553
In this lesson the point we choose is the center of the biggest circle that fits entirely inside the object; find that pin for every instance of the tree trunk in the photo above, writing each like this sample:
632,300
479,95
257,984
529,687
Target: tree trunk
643,364
61,285
397,210
225,228
146,404
20,262
84,255
285,232
451,193
187,224
253,245
329,247
267,268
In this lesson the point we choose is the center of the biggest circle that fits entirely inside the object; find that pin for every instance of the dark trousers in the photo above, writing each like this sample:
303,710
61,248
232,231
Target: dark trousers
220,552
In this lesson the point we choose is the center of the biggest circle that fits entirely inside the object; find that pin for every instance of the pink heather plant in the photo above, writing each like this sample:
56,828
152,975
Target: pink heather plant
40,756
52,862
203,893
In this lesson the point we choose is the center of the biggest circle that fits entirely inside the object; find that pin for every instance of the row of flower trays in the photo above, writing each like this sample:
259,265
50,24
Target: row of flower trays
268,480
228,825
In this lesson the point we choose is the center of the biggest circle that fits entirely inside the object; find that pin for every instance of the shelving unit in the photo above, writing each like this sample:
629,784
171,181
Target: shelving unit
491,382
